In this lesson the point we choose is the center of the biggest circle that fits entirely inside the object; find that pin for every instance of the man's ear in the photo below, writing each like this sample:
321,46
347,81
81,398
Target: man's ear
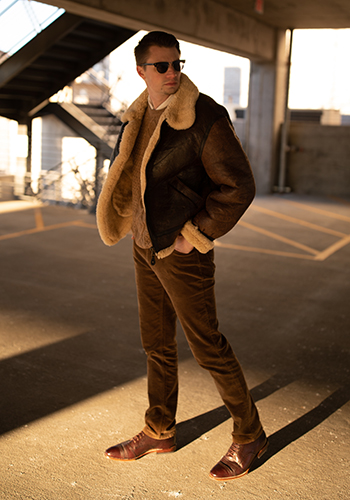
140,72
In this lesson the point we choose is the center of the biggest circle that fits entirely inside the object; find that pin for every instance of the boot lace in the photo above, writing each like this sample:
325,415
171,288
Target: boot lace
138,437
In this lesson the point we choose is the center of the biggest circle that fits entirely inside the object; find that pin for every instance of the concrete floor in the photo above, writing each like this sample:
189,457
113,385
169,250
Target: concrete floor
73,379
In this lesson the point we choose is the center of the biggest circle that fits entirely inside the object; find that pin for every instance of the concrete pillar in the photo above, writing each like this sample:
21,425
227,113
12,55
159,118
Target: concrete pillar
28,175
266,114
98,178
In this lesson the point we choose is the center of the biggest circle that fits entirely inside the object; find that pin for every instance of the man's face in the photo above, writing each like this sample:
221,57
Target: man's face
160,85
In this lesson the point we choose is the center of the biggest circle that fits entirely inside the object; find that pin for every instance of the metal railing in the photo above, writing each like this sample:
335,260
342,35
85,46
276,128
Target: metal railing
68,186
34,16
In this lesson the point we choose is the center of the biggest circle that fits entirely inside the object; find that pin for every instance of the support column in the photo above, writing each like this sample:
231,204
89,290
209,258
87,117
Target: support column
266,114
28,176
98,184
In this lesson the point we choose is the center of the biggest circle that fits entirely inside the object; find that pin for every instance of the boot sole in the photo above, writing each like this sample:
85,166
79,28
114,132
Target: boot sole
155,450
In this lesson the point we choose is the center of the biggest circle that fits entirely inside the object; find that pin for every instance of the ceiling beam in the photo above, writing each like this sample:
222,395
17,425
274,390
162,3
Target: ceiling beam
205,22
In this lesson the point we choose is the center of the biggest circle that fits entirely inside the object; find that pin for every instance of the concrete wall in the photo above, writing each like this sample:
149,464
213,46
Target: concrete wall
322,164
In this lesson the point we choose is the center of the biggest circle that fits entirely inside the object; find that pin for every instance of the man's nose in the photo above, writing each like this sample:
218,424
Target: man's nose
171,71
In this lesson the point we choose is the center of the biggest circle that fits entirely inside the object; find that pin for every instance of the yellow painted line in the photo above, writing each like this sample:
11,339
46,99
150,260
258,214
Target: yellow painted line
39,221
36,230
278,237
297,221
20,233
319,211
333,248
264,251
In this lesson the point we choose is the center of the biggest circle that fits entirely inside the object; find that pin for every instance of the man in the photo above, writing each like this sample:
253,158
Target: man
178,180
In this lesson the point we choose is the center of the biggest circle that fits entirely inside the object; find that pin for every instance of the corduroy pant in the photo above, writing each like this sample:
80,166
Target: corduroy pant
182,285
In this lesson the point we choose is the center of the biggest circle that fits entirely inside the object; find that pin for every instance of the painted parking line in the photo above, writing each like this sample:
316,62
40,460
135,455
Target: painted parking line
39,221
38,230
40,226
311,253
300,222
320,211
264,251
277,237
333,248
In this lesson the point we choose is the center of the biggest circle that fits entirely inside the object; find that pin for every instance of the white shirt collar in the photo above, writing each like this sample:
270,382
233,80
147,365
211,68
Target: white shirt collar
161,106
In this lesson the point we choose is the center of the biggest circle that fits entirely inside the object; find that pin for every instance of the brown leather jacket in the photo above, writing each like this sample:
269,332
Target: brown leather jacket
195,177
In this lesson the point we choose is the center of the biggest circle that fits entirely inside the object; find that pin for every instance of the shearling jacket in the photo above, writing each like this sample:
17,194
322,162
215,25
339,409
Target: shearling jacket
195,177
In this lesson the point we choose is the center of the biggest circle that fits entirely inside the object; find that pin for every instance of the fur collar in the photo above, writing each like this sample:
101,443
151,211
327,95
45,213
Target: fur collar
180,112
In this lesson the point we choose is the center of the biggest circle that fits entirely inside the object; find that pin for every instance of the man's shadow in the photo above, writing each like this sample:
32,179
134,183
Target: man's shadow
192,429
302,425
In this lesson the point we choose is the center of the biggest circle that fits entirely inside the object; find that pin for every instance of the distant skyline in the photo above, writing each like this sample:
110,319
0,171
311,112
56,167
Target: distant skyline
320,72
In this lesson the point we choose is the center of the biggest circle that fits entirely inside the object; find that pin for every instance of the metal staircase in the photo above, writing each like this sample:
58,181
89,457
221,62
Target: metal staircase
84,125
54,58
59,54
103,117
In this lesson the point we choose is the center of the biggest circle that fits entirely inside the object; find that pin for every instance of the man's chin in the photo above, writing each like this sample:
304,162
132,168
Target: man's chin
171,89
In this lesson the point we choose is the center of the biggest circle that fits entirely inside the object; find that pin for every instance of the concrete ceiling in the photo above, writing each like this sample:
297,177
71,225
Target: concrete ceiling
297,14
233,26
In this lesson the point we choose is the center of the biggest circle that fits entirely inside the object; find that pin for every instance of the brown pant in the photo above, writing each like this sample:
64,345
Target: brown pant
182,285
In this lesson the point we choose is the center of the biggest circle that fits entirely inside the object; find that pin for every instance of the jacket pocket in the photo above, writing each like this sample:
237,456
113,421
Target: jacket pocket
177,184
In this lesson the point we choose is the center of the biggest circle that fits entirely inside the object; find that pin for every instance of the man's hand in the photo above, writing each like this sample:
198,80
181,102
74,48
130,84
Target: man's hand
182,245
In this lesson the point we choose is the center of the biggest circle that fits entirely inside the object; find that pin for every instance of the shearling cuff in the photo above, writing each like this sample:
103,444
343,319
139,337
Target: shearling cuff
193,235
165,252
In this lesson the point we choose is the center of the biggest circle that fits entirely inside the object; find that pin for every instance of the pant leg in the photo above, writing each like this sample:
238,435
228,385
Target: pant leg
158,335
188,280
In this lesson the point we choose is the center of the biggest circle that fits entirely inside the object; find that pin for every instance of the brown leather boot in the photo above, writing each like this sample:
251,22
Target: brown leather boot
139,446
239,459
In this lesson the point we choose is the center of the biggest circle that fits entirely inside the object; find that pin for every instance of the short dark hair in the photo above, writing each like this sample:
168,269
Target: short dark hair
159,38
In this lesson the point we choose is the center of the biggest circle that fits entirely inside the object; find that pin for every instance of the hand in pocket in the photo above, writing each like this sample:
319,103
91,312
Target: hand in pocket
182,245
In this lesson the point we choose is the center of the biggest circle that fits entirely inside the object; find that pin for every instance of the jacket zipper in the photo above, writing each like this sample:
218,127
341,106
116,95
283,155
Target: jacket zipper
153,256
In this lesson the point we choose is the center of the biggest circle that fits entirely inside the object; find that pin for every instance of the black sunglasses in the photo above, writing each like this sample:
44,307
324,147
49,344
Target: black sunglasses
162,67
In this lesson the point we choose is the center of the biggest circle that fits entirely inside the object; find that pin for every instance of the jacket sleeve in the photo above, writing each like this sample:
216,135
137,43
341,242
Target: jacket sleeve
228,167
